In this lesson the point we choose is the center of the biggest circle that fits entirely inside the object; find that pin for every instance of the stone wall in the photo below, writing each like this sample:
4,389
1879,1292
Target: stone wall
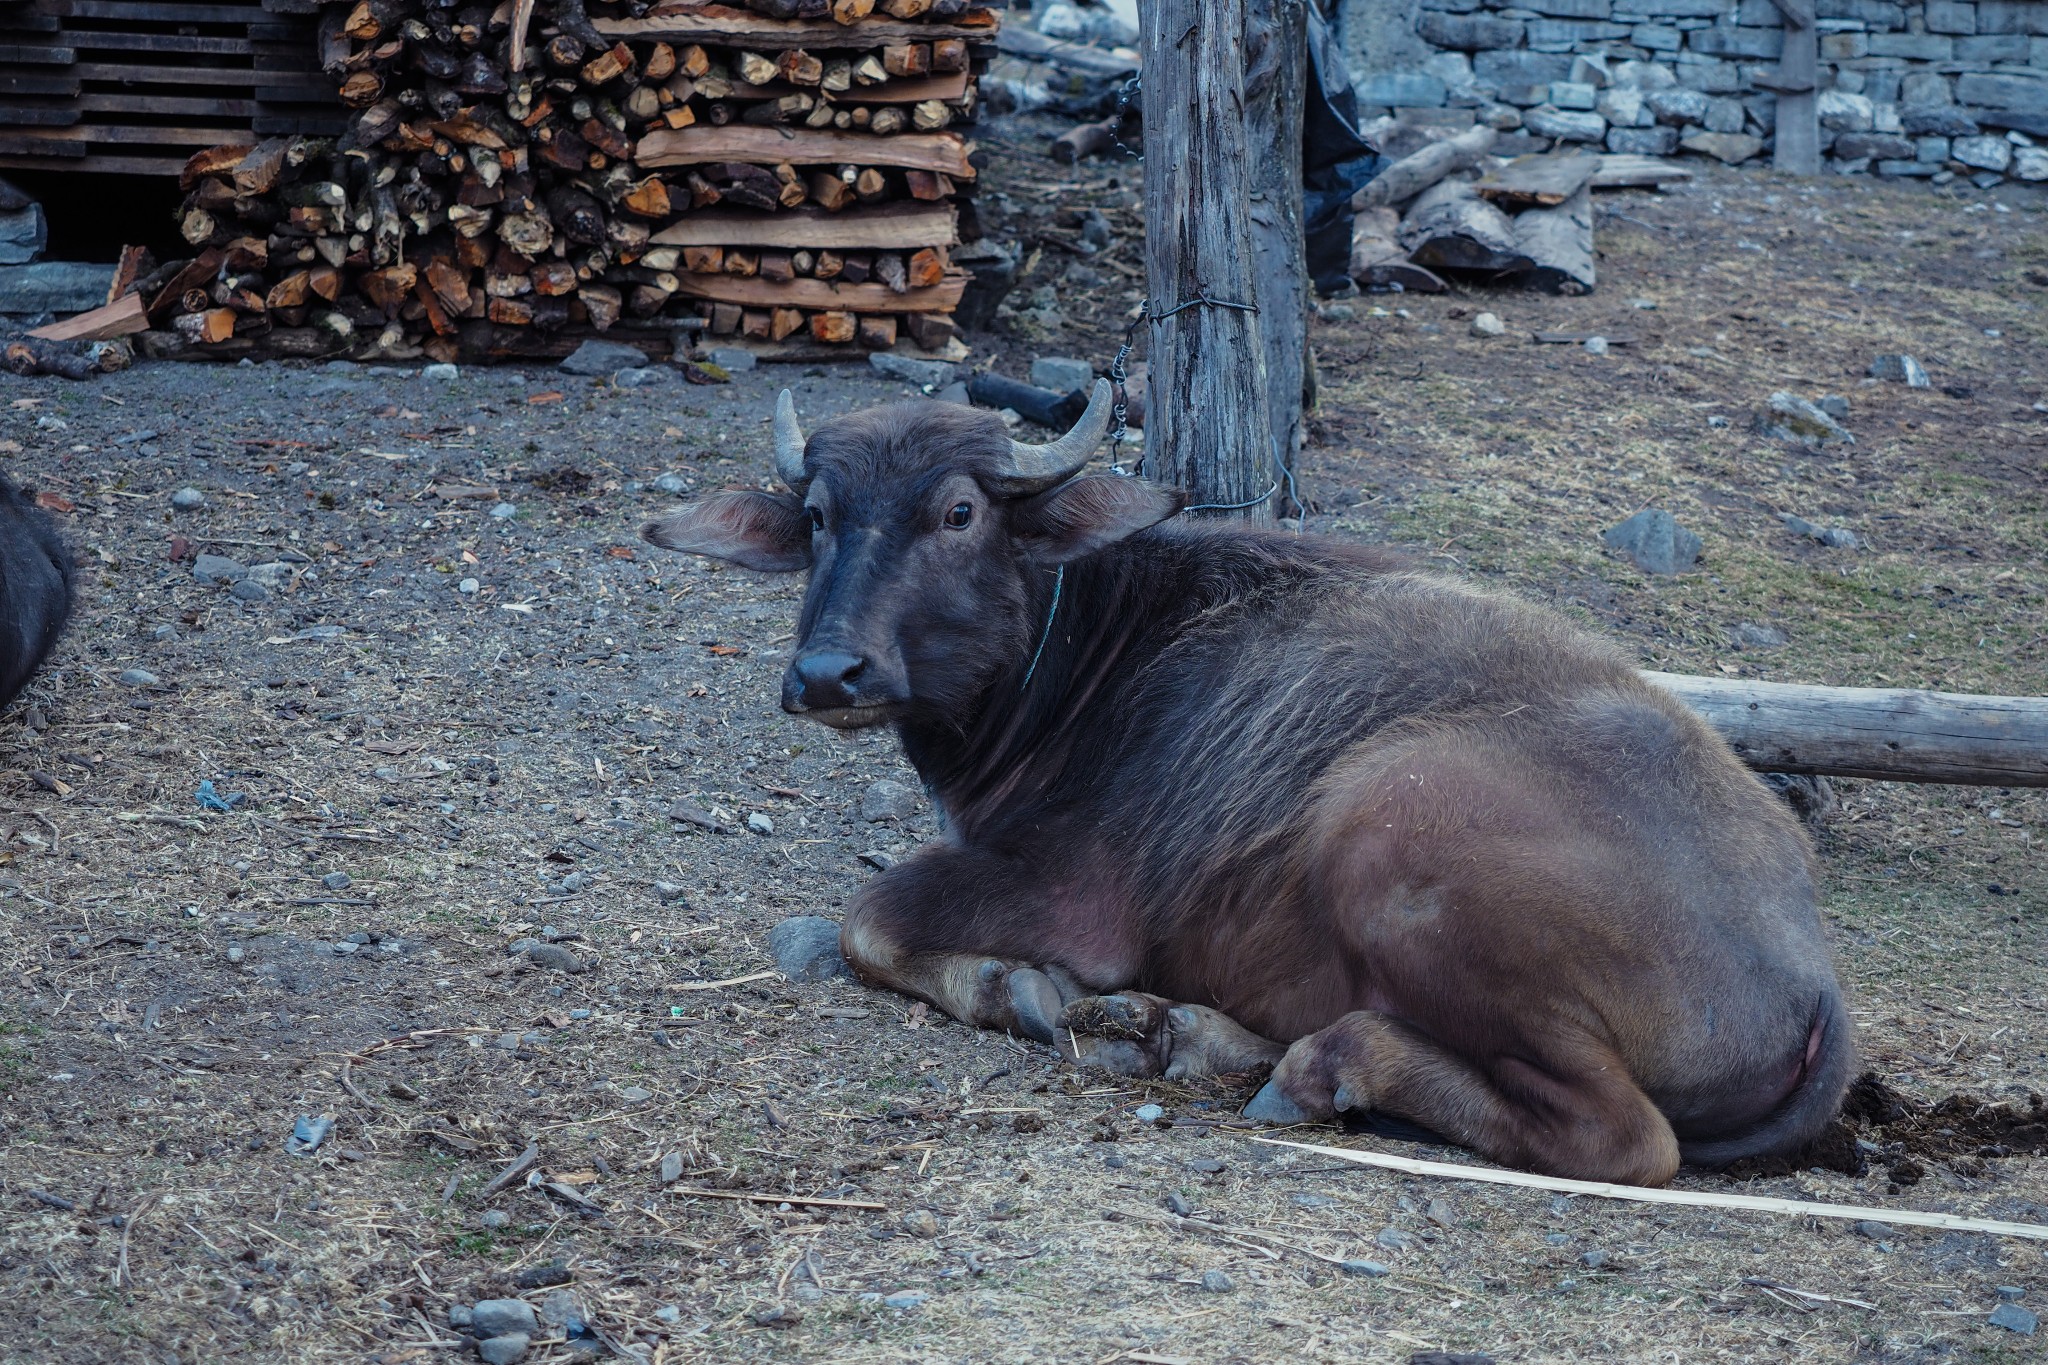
1938,89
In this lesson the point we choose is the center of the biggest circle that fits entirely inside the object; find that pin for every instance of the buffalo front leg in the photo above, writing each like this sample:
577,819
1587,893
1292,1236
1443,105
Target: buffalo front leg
1578,1114
969,933
1135,1034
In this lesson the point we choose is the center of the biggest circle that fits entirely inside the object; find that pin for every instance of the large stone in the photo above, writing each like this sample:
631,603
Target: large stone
1880,15
1565,35
1654,542
1657,37
1468,32
500,1317
1677,106
1986,90
1062,373
1724,115
600,359
2012,16
910,370
1940,120
1624,108
888,800
1752,44
1931,149
1501,69
503,1350
1884,146
1950,16
1572,95
1590,68
1910,169
806,948
218,569
1924,89
1842,112
2030,163
1643,76
24,232
1642,141
54,287
1565,125
1710,74
1571,9
1402,90
1844,47
1788,417
1994,47
1729,148
1914,47
1985,152
1900,369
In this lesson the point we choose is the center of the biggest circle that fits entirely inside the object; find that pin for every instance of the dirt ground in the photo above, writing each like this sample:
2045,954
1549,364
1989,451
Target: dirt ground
182,985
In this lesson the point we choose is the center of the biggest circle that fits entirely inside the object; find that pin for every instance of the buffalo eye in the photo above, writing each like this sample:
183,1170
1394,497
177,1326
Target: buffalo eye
817,518
961,514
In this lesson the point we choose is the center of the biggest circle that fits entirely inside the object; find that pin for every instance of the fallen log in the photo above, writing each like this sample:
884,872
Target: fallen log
1537,182
1416,172
1377,259
1886,734
1450,227
1559,242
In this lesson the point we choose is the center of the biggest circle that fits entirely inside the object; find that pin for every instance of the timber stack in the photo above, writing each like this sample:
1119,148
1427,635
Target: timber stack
514,179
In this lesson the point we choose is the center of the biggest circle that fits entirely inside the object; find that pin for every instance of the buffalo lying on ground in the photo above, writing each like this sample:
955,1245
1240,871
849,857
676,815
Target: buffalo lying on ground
1220,799
35,588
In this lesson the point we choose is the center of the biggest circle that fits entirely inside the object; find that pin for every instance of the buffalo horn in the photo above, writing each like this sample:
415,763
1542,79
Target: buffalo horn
789,444
1033,469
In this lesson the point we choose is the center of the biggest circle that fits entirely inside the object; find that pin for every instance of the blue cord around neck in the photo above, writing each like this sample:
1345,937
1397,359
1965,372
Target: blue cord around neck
1059,581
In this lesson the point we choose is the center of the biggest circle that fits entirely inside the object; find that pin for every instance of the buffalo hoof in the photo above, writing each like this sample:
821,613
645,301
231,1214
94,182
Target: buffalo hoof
1270,1106
1035,1004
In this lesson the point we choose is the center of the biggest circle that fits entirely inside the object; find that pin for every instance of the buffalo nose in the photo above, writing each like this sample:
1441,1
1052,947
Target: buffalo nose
827,677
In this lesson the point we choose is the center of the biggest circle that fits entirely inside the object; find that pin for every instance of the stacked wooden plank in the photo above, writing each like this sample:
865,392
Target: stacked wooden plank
133,86
517,175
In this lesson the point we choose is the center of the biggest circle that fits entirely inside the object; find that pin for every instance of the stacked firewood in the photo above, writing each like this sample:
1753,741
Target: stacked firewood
514,177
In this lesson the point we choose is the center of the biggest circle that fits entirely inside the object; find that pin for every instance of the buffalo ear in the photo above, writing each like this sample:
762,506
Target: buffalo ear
766,531
1086,514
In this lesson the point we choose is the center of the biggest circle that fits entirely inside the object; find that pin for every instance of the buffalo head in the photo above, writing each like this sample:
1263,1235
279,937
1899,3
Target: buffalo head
928,533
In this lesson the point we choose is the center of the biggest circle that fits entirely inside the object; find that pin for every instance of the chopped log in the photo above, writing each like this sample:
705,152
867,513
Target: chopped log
554,279
928,186
859,267
1559,242
1448,227
704,260
1887,734
928,116
891,271
907,59
830,191
1537,182
717,25
831,264
905,9
834,328
649,198
932,331
843,296
745,264
887,122
870,184
757,324
1377,260
877,331
949,55
754,69
776,265
601,303
216,324
125,316
799,67
1416,172
897,225
946,152
725,319
1084,140
927,268
782,322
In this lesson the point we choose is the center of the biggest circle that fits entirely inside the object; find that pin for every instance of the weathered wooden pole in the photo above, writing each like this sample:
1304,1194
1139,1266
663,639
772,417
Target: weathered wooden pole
1275,87
1207,427
1797,136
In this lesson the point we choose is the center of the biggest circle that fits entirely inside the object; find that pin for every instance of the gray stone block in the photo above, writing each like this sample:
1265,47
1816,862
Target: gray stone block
1573,95
1762,109
1874,146
1986,90
1656,37
1624,108
1683,9
1726,147
1951,16
1921,89
1643,141
1932,150
1677,106
1985,152
1520,68
1454,6
2012,16
1468,32
1994,47
1402,89
1942,121
1897,169
1879,14
1844,47
1564,35
1724,115
54,287
1842,112
1762,43
1914,47
1644,76
1655,542
24,232
1565,125
1571,9
1709,75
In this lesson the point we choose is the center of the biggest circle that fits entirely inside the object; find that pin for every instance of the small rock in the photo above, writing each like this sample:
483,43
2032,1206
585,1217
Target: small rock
249,590
307,1135
887,800
1216,1282
1646,305
347,949
188,500
469,587
504,511
905,1298
733,359
1750,635
596,359
236,953
214,569
493,1219
1728,148
667,892
459,1316
777,1315
579,1015
1834,405
555,957
1655,542
668,1313
1788,417
498,1317
2011,1293
670,483
1834,537
955,392
502,1350
137,677
880,860
651,376
806,948
1595,345
1148,1113
2014,1318
440,374
1207,1165
1062,374
1311,1201
1177,1204
760,823
337,881
573,883
1592,1260
318,633
1557,1239
1393,1239
1372,1270
1900,369
932,374
921,1223
636,1094
1875,1231
1487,325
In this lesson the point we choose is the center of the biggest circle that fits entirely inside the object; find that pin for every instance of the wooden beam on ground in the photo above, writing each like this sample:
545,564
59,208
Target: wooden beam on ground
125,316
896,226
1887,734
1417,171
1537,182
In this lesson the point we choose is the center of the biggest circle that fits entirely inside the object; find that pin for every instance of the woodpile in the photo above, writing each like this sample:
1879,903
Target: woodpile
1449,206
515,177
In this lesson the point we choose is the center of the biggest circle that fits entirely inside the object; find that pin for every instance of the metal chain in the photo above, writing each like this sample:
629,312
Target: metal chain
1119,411
1123,103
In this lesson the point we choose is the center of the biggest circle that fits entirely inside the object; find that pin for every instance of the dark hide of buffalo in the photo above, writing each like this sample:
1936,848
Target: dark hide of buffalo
35,588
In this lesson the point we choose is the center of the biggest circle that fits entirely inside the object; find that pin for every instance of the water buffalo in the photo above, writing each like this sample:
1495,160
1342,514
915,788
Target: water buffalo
35,588
1220,799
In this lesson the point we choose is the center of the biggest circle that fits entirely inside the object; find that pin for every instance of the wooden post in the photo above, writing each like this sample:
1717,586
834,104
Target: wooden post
1207,428
1275,86
1797,147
